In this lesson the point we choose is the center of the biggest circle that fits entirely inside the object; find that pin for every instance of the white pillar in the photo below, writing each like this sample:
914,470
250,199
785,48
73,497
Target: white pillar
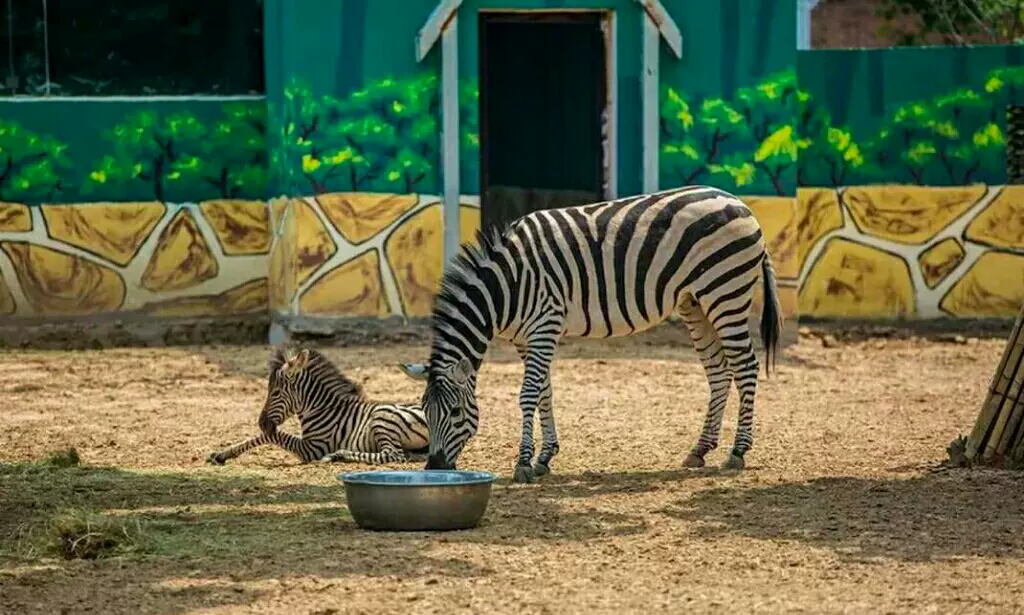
651,40
450,137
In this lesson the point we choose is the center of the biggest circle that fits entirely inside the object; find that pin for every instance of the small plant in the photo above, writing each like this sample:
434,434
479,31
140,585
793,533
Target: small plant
64,458
83,535
957,452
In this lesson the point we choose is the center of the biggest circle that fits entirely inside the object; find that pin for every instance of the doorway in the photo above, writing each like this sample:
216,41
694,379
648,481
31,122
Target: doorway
545,102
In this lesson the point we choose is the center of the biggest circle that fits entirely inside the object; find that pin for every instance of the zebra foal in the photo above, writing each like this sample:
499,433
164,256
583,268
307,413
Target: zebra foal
607,269
337,422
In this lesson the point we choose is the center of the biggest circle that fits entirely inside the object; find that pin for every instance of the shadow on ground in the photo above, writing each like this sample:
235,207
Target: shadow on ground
203,540
959,513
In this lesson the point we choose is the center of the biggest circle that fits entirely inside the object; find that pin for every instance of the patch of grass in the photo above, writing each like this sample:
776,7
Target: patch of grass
64,458
83,534
56,506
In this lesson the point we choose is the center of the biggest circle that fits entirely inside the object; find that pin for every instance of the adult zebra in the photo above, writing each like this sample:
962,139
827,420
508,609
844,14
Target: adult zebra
603,270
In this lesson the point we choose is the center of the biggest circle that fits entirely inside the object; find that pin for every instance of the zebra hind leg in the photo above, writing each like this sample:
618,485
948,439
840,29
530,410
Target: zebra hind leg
719,376
739,352
389,455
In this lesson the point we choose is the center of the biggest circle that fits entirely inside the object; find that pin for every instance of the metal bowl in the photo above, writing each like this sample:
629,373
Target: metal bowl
422,500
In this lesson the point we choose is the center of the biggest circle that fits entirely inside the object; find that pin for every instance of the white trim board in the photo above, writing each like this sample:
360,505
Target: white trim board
666,25
657,24
435,26
443,23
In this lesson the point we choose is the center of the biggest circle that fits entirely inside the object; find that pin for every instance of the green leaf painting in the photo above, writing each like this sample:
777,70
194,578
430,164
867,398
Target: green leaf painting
31,165
384,138
177,157
773,136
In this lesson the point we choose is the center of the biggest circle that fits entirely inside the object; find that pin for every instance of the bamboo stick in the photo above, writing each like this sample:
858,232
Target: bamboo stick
1005,400
1013,409
988,417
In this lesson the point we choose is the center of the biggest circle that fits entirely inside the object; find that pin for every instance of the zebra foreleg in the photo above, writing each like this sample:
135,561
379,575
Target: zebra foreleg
549,446
536,381
221,457
719,376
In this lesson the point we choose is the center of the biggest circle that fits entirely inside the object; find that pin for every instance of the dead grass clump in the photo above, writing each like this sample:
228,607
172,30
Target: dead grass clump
64,458
84,535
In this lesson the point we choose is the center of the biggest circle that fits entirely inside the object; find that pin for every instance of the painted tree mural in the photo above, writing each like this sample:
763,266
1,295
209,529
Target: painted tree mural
179,158
31,165
774,135
233,156
152,149
752,143
383,138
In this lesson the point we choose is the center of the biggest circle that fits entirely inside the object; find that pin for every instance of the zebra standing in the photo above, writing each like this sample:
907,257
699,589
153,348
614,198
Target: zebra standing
607,269
338,423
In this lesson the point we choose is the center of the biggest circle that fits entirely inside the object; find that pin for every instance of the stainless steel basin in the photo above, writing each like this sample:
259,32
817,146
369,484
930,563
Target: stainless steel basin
420,500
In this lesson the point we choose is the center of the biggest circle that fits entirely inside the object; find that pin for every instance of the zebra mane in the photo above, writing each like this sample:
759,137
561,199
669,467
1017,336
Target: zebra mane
317,362
467,264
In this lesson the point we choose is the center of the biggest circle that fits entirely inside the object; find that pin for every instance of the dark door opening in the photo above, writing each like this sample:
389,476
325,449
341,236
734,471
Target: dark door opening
542,99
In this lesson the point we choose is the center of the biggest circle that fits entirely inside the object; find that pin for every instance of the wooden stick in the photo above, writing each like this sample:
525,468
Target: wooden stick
1005,402
990,409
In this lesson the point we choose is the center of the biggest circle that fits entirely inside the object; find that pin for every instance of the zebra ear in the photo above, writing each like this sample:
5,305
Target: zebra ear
297,359
416,371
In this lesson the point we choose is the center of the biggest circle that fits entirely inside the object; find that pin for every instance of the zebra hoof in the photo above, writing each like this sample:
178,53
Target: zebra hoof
524,475
541,469
326,459
733,463
215,459
693,461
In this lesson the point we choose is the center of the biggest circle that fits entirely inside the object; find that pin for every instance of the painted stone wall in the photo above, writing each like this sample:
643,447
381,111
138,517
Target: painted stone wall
119,206
148,258
911,251
903,207
360,254
366,254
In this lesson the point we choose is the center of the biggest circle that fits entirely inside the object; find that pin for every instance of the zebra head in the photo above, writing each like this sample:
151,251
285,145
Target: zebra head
449,402
286,367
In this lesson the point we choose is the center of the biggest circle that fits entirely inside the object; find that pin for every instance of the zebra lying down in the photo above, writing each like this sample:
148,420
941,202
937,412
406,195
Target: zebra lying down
337,421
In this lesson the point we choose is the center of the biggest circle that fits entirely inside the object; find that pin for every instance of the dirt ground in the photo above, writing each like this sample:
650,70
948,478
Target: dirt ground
841,508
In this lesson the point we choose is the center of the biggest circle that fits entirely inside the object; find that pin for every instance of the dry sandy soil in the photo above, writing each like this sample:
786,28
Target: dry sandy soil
841,508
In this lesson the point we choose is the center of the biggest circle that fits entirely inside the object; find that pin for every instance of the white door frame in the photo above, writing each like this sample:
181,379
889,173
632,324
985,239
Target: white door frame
443,23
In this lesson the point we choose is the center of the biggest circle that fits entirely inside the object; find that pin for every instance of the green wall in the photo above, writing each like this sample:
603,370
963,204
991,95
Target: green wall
730,108
344,66
72,150
931,116
349,108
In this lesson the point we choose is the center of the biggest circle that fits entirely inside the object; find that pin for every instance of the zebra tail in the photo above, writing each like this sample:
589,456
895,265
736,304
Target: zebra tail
771,315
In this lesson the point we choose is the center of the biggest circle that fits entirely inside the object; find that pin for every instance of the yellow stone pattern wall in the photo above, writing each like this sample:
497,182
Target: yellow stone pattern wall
898,251
358,254
205,259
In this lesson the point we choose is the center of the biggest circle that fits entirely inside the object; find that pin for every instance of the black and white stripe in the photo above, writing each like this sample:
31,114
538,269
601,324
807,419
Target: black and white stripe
603,270
338,423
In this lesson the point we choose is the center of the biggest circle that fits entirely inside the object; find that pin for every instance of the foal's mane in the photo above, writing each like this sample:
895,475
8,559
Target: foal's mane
319,363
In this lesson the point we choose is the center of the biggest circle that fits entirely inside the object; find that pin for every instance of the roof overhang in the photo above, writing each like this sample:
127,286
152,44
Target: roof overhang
666,25
434,26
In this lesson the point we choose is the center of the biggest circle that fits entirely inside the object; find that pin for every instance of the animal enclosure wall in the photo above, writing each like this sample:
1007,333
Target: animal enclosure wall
879,177
905,211
357,136
154,208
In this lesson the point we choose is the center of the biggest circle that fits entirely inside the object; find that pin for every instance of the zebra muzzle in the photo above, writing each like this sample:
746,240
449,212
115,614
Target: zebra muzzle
267,425
438,462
